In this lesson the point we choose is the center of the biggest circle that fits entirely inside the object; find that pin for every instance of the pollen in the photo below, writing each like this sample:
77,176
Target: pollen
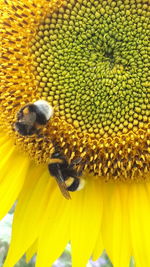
90,60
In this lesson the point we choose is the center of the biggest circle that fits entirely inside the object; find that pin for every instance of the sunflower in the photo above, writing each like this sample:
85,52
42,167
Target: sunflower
89,59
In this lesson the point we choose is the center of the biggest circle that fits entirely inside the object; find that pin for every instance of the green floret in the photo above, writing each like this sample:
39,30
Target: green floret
92,60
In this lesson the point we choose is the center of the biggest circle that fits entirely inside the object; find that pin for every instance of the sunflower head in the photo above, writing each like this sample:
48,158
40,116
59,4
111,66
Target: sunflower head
89,60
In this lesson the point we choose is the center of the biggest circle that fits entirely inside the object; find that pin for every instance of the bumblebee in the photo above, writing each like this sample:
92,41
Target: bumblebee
32,117
65,175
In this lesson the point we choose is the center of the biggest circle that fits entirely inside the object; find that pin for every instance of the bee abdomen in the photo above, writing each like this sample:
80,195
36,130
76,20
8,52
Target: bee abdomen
72,184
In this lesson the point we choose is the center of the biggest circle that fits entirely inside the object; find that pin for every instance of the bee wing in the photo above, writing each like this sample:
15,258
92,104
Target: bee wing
63,189
62,185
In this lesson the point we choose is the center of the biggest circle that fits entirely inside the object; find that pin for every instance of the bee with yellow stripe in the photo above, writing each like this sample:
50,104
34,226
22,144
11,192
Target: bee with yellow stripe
66,176
32,117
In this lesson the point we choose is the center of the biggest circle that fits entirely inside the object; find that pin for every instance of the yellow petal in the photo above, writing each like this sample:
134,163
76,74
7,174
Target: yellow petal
86,212
31,251
29,213
13,169
6,151
55,230
139,208
99,247
115,227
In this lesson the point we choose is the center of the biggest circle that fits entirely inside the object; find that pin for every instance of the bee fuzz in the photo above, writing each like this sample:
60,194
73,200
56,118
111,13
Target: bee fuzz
45,108
82,184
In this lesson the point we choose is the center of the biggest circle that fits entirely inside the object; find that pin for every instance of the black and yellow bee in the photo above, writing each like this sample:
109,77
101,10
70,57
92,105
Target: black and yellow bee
32,117
66,176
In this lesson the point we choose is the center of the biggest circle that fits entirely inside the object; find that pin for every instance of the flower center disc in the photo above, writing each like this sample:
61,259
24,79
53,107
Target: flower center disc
90,62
